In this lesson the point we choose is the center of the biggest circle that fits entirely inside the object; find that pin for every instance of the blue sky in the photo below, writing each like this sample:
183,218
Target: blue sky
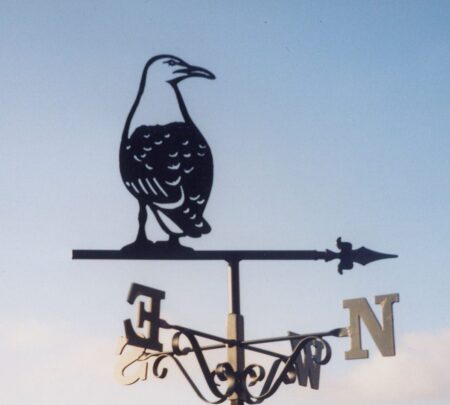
326,119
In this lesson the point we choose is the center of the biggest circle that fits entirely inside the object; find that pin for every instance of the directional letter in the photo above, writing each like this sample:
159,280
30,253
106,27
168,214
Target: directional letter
383,336
309,367
151,339
134,356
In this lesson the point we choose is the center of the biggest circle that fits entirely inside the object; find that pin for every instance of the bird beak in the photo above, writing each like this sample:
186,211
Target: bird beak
194,71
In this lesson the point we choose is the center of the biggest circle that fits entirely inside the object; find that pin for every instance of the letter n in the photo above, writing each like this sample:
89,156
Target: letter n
383,335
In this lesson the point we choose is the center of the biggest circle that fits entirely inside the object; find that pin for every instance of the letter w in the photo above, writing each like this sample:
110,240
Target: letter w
308,367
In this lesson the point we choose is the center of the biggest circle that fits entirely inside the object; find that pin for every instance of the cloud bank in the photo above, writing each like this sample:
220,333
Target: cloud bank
57,364
419,372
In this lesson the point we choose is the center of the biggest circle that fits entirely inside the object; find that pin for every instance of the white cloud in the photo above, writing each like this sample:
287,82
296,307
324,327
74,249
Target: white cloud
46,363
418,372
53,364
58,345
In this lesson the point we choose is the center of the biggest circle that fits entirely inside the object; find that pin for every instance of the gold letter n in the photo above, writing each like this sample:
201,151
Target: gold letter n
383,335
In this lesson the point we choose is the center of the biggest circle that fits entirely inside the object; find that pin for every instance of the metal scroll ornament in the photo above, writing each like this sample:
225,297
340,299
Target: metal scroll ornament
222,380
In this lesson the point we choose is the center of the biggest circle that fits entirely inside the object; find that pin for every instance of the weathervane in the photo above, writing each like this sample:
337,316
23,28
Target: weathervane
167,165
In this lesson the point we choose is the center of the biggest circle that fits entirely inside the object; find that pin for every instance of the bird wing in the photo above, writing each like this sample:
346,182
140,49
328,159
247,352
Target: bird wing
170,169
152,171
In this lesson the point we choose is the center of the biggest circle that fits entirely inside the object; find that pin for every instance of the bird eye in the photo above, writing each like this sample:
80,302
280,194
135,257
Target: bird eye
171,62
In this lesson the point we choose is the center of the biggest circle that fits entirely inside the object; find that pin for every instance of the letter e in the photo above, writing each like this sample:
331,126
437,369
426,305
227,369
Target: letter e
151,339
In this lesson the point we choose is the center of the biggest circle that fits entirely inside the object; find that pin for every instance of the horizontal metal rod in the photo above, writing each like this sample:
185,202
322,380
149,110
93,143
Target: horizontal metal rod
247,344
347,256
267,352
339,332
182,329
227,255
188,350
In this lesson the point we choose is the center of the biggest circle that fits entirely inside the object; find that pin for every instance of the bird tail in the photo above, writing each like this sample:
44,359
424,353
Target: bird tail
202,228
177,226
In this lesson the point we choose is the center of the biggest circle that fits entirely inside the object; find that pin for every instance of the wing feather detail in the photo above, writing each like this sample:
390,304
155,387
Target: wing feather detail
172,205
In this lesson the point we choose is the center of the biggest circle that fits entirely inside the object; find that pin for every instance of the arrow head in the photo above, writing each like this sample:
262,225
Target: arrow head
365,256
362,256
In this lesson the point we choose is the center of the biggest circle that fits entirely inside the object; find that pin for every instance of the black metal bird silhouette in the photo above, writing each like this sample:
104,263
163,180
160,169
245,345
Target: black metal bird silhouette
165,161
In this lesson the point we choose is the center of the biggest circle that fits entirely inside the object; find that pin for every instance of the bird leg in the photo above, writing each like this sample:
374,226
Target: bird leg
174,244
141,244
142,219
174,241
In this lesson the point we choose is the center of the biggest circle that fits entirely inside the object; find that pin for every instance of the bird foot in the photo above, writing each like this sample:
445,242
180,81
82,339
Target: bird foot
139,246
171,246
144,247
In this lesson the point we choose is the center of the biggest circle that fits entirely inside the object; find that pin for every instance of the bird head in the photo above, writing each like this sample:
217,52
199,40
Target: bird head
173,70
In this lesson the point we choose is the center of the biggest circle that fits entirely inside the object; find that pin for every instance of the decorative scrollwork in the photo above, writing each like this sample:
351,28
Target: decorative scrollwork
158,357
176,345
156,371
318,355
284,370
224,372
254,373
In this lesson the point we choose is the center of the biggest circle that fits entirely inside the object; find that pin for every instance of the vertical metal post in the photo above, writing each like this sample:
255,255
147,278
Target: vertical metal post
235,330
